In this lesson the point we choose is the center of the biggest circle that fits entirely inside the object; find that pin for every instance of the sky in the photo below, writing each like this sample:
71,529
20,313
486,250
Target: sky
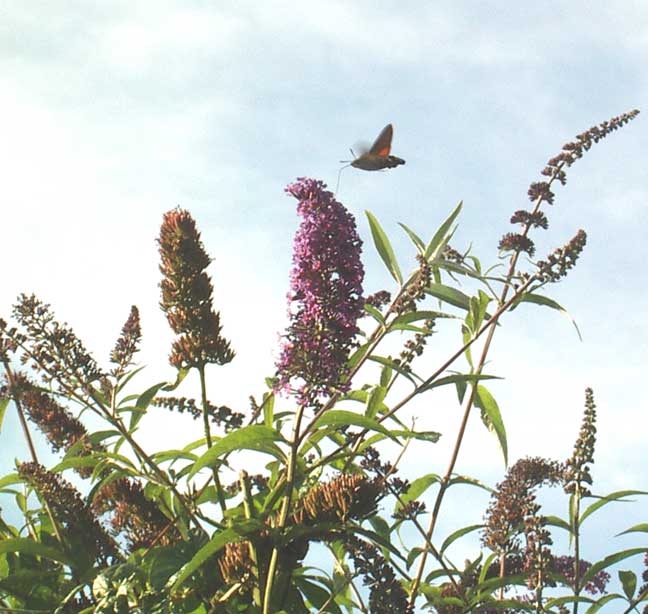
113,113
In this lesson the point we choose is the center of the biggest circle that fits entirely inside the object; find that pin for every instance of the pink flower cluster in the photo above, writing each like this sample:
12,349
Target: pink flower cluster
325,298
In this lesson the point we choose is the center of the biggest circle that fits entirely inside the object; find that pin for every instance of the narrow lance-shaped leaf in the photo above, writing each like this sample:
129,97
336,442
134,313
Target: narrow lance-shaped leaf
23,545
341,417
384,248
449,295
255,437
608,561
375,401
441,235
418,242
539,299
458,378
638,528
419,486
492,418
619,495
216,543
457,534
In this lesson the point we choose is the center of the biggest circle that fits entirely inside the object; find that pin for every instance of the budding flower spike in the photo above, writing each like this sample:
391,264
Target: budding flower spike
377,157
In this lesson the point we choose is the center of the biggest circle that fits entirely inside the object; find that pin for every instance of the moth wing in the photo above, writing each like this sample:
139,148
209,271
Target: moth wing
382,145
360,148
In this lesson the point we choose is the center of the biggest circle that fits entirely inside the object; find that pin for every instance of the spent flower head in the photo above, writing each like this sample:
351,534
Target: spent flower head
133,516
69,510
514,500
325,299
187,295
60,427
53,348
348,496
386,595
566,567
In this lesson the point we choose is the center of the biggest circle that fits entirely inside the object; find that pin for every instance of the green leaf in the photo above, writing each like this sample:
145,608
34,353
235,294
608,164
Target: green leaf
545,301
380,540
418,242
10,479
216,543
609,560
144,399
492,418
628,580
486,567
555,521
458,378
414,553
74,462
268,409
449,295
182,373
254,437
403,320
638,528
358,355
457,534
388,362
3,408
419,486
385,375
601,601
165,562
317,595
429,436
615,496
465,479
27,546
441,235
380,526
172,455
375,401
384,248
375,314
342,417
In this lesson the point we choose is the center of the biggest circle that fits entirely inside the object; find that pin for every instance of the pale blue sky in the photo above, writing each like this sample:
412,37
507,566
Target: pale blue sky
112,113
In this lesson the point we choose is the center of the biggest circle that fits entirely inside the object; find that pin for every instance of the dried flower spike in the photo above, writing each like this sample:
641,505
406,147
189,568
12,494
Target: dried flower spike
69,510
55,350
187,295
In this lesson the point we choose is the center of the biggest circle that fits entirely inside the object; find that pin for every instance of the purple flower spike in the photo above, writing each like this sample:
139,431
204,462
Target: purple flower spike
325,298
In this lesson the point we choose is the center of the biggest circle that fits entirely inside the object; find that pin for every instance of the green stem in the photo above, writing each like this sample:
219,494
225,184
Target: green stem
576,530
285,507
248,508
205,412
